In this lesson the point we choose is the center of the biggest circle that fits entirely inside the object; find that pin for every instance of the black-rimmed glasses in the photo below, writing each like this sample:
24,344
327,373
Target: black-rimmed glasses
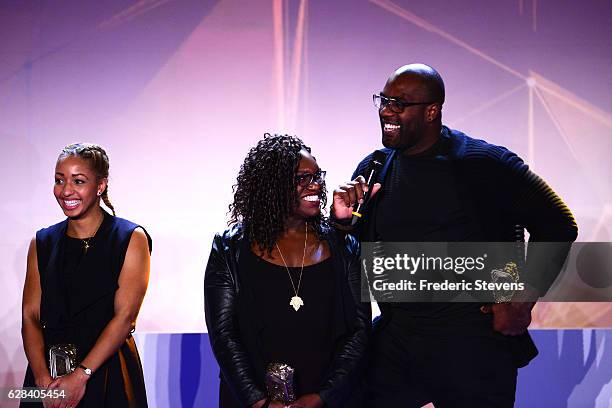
395,105
306,179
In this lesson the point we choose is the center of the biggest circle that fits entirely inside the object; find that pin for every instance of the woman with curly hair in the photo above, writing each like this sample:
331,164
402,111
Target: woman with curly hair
282,287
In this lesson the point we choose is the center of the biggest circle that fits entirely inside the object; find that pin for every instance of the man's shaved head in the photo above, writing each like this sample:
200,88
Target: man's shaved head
432,83
410,109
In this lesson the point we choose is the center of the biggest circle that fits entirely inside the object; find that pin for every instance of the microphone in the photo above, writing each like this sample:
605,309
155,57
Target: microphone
378,158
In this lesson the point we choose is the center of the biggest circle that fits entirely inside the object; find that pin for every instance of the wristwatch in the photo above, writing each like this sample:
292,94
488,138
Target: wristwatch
87,370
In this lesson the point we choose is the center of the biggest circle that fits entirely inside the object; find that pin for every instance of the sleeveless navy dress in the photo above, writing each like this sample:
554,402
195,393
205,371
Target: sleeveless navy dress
77,302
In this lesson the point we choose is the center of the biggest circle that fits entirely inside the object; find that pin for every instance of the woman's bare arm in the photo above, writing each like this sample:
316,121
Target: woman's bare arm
31,331
133,281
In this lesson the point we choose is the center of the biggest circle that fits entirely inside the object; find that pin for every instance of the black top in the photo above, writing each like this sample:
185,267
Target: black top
235,323
302,338
424,201
423,195
495,188
77,302
73,254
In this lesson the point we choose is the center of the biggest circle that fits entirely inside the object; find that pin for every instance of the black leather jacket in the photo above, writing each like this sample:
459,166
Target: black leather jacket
233,326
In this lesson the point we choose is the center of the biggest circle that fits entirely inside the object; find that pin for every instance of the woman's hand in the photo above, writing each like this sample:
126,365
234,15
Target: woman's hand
307,401
44,382
348,195
273,404
73,385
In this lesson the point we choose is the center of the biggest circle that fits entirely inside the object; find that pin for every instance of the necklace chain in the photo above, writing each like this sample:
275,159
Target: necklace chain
296,301
86,245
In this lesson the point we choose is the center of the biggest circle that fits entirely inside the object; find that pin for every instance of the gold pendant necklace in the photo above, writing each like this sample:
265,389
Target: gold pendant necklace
296,301
86,245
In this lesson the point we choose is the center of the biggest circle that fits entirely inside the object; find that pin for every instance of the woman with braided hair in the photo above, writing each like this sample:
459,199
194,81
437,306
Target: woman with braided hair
282,287
85,281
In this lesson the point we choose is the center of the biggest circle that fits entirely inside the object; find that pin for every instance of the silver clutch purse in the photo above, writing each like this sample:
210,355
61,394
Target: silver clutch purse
62,359
279,382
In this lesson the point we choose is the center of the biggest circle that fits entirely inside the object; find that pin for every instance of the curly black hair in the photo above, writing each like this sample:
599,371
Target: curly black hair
265,193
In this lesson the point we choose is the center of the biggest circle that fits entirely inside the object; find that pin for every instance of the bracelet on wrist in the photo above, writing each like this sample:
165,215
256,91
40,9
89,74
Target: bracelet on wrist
86,370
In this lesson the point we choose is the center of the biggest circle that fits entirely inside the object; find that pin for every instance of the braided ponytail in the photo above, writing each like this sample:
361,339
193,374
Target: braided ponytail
97,158
107,201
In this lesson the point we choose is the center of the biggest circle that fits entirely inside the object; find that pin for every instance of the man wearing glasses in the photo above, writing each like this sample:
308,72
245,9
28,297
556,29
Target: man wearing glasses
441,185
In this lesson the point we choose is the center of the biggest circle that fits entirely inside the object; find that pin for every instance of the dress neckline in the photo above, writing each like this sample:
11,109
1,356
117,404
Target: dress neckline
259,258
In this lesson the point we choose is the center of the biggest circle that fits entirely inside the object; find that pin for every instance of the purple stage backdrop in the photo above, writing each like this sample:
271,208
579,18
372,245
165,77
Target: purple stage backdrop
178,91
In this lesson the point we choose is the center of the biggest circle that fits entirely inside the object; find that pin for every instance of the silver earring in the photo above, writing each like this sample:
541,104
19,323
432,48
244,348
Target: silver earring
99,193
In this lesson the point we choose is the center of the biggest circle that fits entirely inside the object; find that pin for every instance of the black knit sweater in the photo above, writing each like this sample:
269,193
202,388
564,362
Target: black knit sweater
501,192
